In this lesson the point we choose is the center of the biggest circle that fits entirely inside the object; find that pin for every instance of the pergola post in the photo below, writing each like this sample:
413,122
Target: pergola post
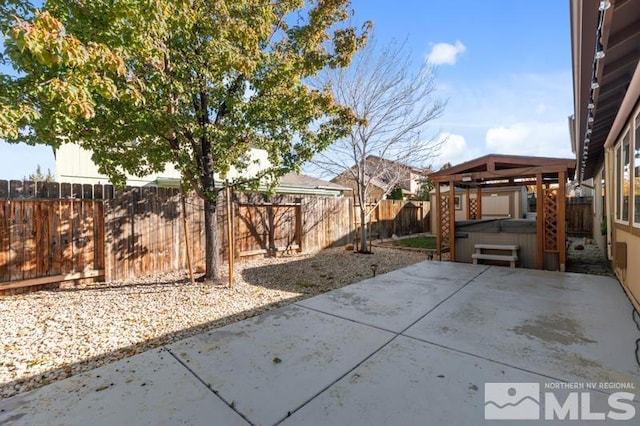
562,224
438,223
467,196
497,171
452,222
539,222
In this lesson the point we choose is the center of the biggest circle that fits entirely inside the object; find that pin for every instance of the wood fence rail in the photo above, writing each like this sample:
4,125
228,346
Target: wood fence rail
51,232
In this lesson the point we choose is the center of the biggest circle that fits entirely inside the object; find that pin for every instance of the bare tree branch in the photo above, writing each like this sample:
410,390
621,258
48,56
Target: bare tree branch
393,105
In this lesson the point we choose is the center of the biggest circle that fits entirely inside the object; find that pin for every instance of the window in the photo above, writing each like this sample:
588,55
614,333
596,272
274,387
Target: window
457,201
636,174
626,178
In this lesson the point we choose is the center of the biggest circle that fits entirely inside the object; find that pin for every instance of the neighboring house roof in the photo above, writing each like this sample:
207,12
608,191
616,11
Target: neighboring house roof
607,87
295,183
383,180
291,183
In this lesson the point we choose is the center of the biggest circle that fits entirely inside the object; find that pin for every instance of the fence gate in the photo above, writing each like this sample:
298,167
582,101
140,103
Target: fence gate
580,216
48,241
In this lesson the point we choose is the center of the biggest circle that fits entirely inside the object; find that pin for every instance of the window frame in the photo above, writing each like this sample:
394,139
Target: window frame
626,142
617,181
635,170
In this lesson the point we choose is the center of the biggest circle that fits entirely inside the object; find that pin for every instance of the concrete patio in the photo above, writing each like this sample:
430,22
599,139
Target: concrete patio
412,347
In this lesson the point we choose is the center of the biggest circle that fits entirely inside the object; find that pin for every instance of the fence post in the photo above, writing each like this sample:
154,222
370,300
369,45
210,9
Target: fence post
186,234
230,241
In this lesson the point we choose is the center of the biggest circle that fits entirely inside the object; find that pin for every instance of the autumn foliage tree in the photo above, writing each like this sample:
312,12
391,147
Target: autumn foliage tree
194,82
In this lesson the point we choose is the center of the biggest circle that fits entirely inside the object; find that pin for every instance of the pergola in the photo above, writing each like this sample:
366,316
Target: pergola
492,171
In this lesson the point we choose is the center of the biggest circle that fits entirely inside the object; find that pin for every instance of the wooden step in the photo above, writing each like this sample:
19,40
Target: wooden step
506,258
496,247
485,256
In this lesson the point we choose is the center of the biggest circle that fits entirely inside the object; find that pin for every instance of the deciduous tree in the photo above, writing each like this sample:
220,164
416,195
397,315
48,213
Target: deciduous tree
194,82
394,102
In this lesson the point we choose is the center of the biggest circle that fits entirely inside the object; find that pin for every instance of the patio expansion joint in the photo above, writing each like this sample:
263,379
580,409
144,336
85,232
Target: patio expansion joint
215,394
445,299
536,373
317,394
396,333
395,336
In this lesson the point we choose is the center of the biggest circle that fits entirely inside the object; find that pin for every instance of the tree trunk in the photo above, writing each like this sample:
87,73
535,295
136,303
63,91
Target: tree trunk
212,263
364,246
364,232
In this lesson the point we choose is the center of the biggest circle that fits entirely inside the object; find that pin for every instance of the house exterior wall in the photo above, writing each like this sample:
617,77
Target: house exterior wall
413,184
375,193
74,165
599,213
624,181
630,275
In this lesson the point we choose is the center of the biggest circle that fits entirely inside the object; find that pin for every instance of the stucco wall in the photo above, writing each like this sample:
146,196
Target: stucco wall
630,276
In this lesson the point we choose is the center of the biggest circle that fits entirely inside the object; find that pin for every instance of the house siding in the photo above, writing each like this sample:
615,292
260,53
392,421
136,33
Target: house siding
74,165
626,233
629,276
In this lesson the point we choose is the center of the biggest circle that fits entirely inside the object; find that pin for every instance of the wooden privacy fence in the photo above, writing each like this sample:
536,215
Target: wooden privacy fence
280,223
580,216
47,241
52,232
268,228
144,232
396,217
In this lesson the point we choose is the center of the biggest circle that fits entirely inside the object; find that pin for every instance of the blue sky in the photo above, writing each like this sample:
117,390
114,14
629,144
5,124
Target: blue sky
504,66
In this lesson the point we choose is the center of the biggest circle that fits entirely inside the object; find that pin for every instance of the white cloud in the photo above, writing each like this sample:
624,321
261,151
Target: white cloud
445,53
454,149
543,139
516,114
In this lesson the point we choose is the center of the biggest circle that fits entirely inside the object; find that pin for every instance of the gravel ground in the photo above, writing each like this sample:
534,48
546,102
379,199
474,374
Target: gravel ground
53,334
585,257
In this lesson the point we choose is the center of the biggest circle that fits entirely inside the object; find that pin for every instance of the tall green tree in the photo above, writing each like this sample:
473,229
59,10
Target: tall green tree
194,82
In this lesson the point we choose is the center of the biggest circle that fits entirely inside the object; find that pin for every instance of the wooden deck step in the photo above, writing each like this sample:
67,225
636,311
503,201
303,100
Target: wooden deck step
496,247
485,256
512,258
502,257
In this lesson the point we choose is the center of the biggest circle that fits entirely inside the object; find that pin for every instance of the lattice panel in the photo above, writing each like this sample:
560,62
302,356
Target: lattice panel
473,208
550,210
445,217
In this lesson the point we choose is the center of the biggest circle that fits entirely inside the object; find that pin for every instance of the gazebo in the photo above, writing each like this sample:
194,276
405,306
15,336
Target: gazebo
547,175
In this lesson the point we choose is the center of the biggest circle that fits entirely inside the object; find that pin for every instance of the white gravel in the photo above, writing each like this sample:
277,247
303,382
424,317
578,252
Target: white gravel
53,334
